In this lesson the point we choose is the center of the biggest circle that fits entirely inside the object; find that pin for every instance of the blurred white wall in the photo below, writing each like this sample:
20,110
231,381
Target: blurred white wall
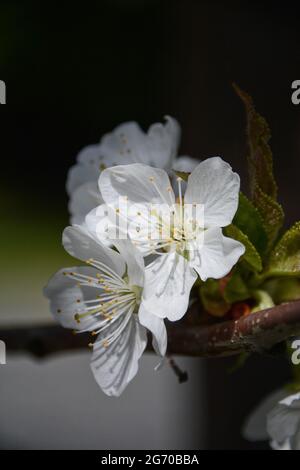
56,404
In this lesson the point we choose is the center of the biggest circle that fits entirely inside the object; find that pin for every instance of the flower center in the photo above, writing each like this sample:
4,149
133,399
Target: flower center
116,299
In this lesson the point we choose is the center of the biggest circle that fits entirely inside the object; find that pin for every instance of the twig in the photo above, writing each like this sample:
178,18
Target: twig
181,375
257,332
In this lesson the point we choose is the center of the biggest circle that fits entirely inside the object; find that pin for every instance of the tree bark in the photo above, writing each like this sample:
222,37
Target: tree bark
257,332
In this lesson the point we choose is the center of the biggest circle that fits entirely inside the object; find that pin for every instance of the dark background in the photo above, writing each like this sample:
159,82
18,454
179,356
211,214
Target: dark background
75,71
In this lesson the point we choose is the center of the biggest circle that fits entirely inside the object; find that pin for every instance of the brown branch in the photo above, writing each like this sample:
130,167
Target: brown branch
257,332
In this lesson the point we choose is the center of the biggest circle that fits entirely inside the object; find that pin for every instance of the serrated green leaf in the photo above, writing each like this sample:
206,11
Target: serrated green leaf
212,299
285,258
182,174
260,160
263,186
251,256
272,214
236,289
249,221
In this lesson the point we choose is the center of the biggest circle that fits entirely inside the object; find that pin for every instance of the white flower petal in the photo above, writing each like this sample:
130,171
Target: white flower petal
116,365
98,224
185,164
163,142
66,297
138,183
129,144
157,327
132,222
216,256
255,428
216,186
283,422
168,281
79,243
295,440
85,198
134,262
125,144
284,446
86,169
292,401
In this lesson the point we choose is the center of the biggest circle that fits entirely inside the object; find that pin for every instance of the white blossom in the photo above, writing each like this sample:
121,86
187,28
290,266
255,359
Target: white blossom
105,298
126,144
277,418
188,250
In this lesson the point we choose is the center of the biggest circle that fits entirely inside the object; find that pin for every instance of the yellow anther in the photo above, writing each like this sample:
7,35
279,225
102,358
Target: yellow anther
108,316
77,317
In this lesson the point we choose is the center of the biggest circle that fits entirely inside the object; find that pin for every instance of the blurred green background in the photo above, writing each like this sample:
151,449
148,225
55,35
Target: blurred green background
72,73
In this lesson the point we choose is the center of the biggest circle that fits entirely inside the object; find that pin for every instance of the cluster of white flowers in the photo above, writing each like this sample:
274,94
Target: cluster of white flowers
277,418
131,284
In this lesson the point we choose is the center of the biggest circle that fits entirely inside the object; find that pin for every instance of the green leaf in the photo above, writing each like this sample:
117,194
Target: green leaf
236,289
263,300
212,299
182,174
239,362
272,214
249,221
251,256
285,258
283,289
263,187
260,160
293,387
